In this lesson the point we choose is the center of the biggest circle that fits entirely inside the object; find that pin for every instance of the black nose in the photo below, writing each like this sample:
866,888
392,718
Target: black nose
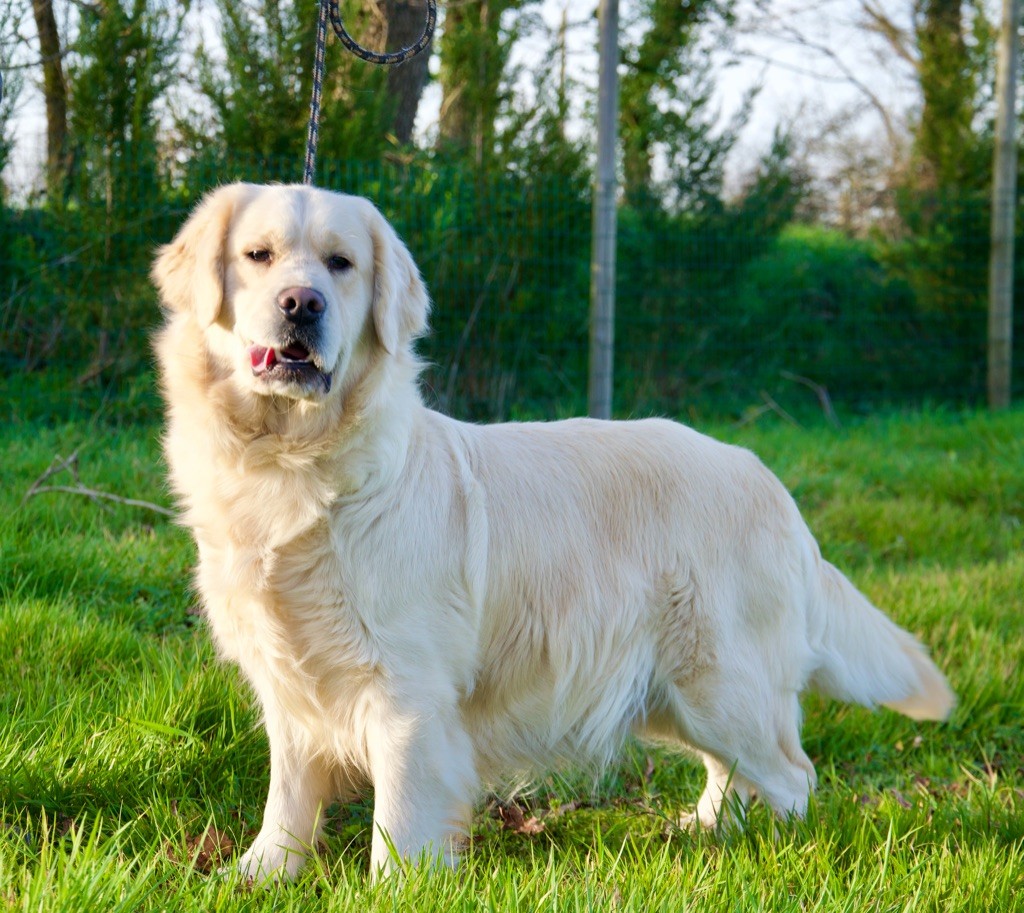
301,306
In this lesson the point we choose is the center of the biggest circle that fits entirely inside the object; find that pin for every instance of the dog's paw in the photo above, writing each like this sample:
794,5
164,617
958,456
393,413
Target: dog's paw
692,823
727,817
270,860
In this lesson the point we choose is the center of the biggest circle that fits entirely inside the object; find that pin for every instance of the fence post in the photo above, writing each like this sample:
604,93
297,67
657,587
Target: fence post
602,256
1004,198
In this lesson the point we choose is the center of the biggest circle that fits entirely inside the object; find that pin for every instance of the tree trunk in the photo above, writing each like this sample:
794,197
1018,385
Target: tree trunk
56,95
405,21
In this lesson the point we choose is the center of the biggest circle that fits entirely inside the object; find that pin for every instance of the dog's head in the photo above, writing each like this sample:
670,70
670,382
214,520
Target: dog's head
288,284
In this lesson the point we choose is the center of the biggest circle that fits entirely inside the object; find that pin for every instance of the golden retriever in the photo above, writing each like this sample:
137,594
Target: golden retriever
428,606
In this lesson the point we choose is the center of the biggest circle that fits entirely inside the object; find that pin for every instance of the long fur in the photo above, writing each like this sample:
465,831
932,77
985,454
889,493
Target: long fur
430,606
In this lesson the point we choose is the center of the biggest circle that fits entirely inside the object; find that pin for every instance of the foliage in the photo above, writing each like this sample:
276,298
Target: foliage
475,45
12,84
511,281
716,296
506,265
712,305
955,69
778,188
821,307
124,60
685,298
124,57
943,251
124,739
673,150
258,81
99,303
943,199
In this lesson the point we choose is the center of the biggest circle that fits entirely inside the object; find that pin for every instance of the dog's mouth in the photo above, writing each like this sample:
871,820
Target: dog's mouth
293,363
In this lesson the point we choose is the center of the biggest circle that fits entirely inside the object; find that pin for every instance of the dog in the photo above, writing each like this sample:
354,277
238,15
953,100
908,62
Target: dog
429,607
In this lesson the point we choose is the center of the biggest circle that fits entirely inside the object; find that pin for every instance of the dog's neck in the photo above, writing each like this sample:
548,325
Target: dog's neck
351,443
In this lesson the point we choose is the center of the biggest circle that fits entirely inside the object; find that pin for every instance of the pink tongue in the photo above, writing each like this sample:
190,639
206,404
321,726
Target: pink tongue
261,358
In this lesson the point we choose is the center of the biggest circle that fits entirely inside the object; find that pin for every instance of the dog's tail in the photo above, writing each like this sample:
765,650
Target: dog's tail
864,657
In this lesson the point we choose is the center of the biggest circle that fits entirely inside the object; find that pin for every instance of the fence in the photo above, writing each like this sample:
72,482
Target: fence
717,313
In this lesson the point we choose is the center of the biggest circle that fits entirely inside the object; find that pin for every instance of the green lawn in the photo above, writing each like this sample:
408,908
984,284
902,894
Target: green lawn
122,739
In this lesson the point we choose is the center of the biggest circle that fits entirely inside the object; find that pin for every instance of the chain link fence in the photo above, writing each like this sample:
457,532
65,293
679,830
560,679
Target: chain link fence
716,315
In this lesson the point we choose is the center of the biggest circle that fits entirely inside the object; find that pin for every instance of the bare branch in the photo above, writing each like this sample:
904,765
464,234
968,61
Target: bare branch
819,391
70,465
778,410
794,36
770,405
897,38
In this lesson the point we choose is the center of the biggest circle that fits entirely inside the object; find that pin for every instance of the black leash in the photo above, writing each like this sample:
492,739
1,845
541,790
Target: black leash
329,11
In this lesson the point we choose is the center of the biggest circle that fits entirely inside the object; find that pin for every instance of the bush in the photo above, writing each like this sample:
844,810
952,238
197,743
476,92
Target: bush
821,305
713,310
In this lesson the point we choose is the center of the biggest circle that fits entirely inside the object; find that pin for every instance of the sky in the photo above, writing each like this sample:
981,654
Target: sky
812,61
816,64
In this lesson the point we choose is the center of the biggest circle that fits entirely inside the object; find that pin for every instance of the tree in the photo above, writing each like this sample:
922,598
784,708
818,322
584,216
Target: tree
941,244
666,108
951,76
475,45
950,47
774,193
404,20
55,94
123,62
11,83
259,87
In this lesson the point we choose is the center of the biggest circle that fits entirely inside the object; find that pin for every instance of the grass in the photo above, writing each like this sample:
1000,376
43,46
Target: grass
132,763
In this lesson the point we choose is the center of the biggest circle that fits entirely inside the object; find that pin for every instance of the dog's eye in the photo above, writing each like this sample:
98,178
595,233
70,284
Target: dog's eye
338,264
259,255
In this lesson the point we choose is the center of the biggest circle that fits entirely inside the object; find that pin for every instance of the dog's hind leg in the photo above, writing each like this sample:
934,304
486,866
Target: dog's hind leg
750,742
723,801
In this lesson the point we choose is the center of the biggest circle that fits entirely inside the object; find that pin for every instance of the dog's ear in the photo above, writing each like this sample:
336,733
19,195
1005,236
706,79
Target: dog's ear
400,302
189,272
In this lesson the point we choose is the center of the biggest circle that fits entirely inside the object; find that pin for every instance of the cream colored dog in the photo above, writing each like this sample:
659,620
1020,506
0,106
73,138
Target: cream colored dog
430,606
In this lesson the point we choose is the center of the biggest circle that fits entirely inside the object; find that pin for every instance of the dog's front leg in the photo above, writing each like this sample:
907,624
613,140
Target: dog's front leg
300,789
424,783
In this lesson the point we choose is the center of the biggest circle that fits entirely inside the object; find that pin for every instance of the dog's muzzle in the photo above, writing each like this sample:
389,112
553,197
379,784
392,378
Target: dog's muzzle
294,362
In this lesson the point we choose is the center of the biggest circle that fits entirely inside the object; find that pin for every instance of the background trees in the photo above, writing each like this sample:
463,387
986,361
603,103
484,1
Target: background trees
942,193
673,150
254,81
403,21
55,93
122,62
149,102
12,83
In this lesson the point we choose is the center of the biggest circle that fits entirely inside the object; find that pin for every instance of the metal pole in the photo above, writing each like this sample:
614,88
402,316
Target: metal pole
1004,198
602,258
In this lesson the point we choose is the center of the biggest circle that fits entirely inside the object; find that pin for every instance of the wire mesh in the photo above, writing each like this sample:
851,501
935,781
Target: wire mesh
714,316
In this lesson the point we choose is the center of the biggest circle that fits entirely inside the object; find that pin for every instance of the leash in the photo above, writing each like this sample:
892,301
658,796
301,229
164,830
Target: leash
329,12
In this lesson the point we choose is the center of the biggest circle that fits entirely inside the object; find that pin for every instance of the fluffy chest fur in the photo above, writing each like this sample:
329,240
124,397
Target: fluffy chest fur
320,575
278,596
